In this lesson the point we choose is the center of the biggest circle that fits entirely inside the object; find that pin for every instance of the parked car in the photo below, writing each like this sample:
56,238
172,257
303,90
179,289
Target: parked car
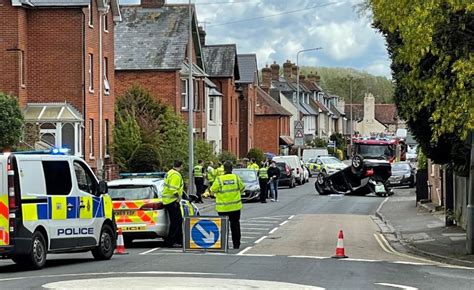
287,176
252,186
295,164
328,164
402,174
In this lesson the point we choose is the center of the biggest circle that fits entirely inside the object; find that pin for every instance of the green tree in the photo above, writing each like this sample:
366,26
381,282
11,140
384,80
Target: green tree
144,159
227,156
127,138
257,154
431,45
11,121
204,151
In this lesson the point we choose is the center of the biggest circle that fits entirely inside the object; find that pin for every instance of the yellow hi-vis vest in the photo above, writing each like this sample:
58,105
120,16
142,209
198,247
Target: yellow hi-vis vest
253,166
227,189
220,170
263,173
173,187
211,174
198,171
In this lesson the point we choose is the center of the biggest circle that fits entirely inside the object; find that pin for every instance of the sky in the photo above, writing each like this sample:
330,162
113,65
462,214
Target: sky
284,27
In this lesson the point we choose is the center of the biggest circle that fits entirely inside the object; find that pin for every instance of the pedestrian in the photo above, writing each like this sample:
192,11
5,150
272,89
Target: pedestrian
263,180
211,173
228,188
199,180
171,198
253,165
274,175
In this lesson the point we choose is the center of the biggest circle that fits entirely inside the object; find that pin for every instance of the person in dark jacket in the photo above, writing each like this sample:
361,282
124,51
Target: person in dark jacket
273,175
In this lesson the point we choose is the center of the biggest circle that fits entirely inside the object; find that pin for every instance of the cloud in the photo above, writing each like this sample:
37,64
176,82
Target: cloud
379,68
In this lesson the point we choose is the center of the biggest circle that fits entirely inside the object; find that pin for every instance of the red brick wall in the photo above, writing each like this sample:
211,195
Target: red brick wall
268,128
246,121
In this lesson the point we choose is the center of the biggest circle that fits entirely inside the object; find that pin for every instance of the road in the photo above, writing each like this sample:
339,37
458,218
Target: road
286,244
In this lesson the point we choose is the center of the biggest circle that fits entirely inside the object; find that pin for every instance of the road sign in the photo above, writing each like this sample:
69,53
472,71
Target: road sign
299,135
299,125
206,233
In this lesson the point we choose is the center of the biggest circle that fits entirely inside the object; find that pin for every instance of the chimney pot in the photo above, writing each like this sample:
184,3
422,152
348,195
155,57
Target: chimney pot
202,35
294,71
266,78
275,71
287,69
152,3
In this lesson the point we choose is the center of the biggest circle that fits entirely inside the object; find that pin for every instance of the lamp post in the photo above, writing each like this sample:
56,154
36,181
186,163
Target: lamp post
352,120
190,104
298,84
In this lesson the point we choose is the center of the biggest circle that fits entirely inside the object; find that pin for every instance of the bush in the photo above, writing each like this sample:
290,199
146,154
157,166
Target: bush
227,156
144,159
11,121
340,140
320,142
257,154
127,138
204,151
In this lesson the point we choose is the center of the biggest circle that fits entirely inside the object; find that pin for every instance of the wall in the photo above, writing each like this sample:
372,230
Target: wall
269,133
214,128
435,180
246,119
290,107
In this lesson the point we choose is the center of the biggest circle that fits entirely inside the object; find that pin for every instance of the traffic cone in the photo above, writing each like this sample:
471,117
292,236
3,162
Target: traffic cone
120,250
340,247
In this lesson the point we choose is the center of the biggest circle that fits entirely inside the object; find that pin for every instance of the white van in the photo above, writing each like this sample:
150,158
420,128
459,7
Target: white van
314,153
52,204
295,164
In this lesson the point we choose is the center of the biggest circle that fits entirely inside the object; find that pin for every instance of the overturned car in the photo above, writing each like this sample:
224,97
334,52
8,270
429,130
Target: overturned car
361,178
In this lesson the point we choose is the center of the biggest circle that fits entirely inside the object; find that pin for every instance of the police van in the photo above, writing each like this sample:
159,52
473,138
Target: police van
52,203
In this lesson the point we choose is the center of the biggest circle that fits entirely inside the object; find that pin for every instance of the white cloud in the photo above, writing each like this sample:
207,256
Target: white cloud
379,68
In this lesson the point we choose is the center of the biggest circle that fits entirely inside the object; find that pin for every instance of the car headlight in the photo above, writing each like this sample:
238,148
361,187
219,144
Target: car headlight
407,175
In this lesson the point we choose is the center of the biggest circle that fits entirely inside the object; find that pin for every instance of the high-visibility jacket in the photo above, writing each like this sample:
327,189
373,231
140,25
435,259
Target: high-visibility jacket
253,166
211,174
227,190
173,187
263,173
198,171
220,170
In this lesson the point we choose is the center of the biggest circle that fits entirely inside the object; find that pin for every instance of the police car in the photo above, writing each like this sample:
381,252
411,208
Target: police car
52,203
326,164
138,207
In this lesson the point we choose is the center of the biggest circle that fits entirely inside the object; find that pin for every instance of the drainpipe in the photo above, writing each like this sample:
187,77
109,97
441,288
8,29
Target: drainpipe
100,163
83,135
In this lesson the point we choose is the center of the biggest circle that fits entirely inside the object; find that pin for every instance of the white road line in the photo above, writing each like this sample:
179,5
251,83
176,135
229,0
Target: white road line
360,260
261,239
254,224
411,263
258,255
381,205
149,251
309,257
259,229
397,286
172,250
252,233
283,223
244,251
291,217
274,230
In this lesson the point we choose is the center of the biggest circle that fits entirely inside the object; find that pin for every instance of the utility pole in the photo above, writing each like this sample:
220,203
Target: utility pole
190,104
470,200
352,120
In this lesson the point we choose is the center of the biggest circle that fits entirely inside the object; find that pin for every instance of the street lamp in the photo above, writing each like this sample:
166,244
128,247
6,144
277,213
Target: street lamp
298,84
190,104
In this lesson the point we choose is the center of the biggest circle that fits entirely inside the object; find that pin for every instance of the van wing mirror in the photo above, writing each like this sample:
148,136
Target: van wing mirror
103,188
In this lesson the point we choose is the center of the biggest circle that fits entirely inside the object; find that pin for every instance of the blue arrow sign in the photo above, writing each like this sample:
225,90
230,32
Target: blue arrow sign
205,233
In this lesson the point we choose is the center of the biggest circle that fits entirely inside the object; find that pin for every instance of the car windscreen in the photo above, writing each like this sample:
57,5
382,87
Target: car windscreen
375,151
400,167
132,192
246,175
330,160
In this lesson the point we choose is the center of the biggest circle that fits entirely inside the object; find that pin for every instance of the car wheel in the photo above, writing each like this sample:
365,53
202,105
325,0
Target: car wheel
319,184
357,162
37,258
107,243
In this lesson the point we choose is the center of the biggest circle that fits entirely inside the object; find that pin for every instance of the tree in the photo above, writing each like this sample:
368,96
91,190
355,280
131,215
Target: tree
431,45
227,156
11,121
204,151
144,159
257,154
127,138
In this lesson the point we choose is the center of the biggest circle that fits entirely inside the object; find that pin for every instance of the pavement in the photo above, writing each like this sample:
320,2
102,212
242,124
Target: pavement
421,230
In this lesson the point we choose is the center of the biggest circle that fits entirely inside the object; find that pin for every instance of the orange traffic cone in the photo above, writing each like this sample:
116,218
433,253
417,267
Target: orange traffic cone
340,247
120,250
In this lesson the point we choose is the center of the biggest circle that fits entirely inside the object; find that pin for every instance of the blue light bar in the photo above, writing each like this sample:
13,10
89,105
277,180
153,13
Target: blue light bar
53,151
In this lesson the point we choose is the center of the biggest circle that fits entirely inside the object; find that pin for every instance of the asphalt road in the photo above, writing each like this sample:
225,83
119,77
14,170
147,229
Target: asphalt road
286,244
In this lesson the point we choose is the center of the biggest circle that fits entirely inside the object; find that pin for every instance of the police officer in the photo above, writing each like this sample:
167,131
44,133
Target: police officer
172,193
199,180
220,169
263,180
211,173
227,188
253,165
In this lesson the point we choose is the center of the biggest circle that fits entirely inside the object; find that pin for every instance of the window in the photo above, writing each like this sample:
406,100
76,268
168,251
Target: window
85,180
184,94
91,72
294,98
107,138
106,23
235,109
68,137
91,16
196,96
91,138
22,68
106,76
212,109
58,177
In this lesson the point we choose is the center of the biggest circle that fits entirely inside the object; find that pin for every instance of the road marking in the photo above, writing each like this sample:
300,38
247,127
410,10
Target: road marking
360,260
255,224
309,257
397,286
381,205
411,263
173,250
149,251
291,217
261,239
244,251
283,223
381,244
258,255
249,233
261,229
274,230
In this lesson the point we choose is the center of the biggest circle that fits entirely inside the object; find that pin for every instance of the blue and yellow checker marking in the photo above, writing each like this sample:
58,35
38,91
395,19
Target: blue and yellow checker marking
62,208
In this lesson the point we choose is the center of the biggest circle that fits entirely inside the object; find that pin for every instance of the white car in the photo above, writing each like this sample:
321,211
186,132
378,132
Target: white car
329,164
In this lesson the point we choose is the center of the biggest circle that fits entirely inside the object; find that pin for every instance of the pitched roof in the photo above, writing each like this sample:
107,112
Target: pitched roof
248,69
384,113
357,111
221,60
152,38
266,105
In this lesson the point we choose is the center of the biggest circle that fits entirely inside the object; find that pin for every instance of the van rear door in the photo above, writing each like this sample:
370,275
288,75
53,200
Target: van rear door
4,210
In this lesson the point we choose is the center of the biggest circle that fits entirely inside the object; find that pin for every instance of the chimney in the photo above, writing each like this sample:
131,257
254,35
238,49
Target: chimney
275,71
152,3
369,107
318,79
202,35
294,71
312,77
302,78
287,69
266,78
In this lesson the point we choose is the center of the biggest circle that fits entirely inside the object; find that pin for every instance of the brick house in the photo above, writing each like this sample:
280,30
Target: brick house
222,66
151,51
57,57
247,84
272,122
